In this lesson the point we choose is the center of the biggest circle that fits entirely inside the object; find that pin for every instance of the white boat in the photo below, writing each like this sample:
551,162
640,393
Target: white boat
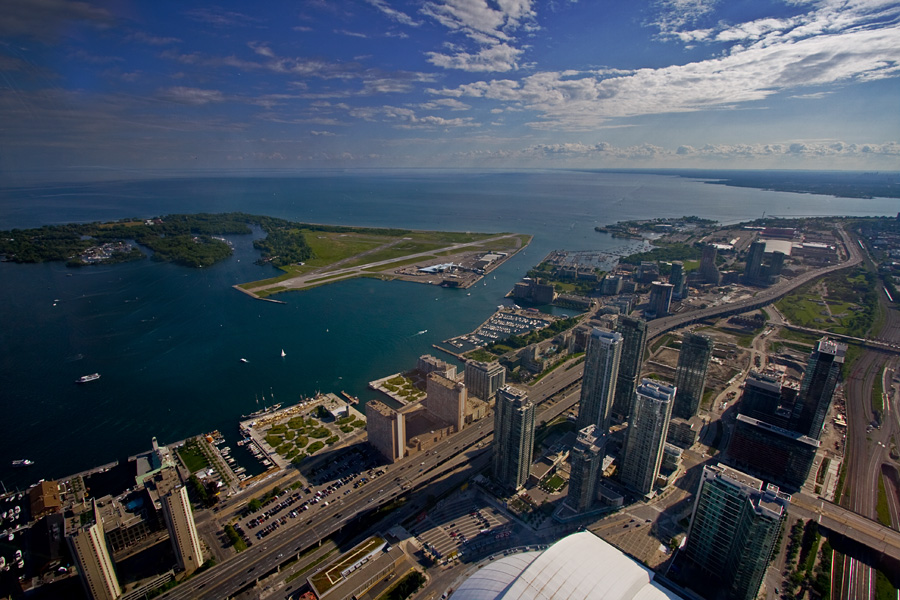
87,378
282,353
244,360
22,462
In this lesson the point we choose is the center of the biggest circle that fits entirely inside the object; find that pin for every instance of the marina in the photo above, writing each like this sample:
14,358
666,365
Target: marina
506,321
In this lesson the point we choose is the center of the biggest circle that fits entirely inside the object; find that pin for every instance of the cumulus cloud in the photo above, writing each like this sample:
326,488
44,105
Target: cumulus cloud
860,48
491,28
392,13
787,150
495,58
191,96
406,118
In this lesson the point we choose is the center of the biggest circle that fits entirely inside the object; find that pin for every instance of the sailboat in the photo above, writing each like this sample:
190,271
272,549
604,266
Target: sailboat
282,353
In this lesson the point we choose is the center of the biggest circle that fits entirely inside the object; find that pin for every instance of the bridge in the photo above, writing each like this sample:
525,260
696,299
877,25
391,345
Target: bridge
873,344
853,534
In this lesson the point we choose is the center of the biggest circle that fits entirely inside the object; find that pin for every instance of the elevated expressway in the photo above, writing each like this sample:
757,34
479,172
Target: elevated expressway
461,451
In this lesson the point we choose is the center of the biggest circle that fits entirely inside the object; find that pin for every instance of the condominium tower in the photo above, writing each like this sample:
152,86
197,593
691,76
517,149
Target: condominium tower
734,528
634,339
586,461
690,376
601,370
817,388
513,437
647,430
182,531
95,567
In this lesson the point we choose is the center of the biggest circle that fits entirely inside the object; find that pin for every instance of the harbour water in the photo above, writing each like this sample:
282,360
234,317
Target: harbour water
167,340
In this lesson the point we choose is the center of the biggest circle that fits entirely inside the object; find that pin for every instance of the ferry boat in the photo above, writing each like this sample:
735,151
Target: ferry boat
88,378
22,462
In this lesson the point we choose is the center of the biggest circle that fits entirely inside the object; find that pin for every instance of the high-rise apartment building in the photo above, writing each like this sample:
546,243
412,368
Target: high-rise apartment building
634,340
690,375
754,266
648,426
660,299
817,387
777,455
446,399
513,437
483,379
734,527
182,531
676,278
586,461
598,386
708,268
386,430
95,567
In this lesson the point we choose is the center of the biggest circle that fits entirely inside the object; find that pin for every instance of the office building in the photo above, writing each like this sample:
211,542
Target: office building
690,375
95,567
647,272
483,379
428,364
768,397
598,387
772,453
634,340
611,285
676,278
708,268
648,426
386,430
754,264
446,399
513,437
586,462
660,299
182,531
733,531
762,395
817,387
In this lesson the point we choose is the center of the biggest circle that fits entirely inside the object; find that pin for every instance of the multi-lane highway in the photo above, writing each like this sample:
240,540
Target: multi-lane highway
763,297
266,555
317,524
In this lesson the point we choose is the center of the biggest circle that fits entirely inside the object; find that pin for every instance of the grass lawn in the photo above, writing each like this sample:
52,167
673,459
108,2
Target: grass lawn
193,457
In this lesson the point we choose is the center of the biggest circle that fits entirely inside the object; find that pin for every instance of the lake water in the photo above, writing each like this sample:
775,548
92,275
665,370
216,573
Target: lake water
167,340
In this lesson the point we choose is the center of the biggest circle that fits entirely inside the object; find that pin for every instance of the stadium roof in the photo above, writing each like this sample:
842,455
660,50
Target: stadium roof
578,567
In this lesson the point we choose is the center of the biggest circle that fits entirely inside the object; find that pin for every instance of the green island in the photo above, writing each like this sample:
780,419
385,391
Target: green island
309,254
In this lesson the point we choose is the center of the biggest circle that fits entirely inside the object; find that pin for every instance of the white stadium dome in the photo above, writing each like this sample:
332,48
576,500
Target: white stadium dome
578,567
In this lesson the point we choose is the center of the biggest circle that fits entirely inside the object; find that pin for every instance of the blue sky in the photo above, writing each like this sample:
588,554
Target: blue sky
128,85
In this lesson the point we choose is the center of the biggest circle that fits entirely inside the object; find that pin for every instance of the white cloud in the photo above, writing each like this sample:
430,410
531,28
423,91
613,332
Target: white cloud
490,26
582,153
496,58
322,133
393,14
189,95
405,118
568,101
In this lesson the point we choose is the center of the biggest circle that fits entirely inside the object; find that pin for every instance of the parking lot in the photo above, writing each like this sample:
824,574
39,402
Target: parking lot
351,469
463,525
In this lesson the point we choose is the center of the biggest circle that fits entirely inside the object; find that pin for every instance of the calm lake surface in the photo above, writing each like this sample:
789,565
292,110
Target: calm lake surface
167,339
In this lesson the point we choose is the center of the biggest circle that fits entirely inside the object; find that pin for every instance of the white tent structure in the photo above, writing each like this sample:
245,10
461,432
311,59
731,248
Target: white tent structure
578,567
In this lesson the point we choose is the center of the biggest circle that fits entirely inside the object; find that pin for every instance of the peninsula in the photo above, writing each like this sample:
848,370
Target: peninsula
309,254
